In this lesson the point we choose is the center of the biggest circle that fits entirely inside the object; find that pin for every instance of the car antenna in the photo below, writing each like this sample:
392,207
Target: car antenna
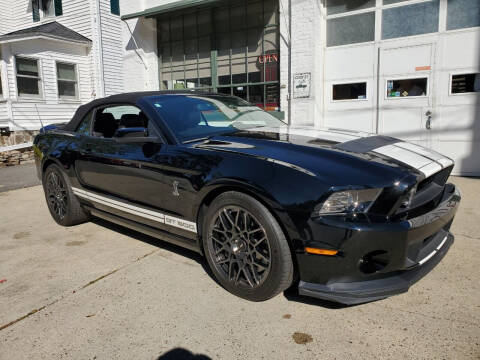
39,118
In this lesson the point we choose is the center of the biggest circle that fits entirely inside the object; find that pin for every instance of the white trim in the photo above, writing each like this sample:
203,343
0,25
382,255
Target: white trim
16,146
429,256
136,210
43,37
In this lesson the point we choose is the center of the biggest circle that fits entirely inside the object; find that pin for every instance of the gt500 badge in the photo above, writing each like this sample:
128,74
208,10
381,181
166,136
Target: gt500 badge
179,223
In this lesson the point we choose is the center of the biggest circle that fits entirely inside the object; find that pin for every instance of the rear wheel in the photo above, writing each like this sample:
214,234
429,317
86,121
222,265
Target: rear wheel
246,248
62,203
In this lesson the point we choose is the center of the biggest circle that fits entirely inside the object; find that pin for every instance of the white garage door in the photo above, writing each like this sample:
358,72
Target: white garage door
409,69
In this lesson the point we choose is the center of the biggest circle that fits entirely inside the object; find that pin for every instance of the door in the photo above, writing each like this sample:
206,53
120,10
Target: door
406,93
124,170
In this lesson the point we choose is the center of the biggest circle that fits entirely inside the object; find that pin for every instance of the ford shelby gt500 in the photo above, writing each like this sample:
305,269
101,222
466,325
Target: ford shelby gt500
342,216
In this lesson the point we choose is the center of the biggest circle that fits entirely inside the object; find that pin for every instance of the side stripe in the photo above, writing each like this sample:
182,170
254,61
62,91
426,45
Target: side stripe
136,210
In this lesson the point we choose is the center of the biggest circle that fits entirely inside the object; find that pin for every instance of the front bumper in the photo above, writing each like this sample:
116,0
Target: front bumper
401,253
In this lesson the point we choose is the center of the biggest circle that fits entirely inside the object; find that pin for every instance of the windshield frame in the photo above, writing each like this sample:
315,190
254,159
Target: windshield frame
149,101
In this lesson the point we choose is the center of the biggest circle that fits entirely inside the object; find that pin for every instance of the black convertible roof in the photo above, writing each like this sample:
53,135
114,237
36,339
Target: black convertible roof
131,98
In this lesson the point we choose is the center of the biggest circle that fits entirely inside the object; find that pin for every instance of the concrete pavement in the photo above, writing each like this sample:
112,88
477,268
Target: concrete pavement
98,291
18,176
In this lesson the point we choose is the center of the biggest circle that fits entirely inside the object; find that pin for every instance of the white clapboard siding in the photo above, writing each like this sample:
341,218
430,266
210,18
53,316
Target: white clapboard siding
51,109
112,49
6,16
26,116
3,113
76,16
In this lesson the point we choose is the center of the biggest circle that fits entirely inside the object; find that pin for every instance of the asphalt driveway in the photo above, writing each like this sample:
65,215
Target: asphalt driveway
99,291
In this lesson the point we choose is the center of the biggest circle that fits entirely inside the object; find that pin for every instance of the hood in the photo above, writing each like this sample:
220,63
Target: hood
332,153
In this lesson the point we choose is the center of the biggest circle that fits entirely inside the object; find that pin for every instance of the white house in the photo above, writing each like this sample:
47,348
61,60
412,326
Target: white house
405,68
54,56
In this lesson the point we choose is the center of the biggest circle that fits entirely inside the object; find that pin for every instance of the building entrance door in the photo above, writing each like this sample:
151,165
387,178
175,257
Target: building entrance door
406,92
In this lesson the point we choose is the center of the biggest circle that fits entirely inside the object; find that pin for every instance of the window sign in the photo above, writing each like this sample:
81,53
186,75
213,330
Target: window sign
301,85
404,88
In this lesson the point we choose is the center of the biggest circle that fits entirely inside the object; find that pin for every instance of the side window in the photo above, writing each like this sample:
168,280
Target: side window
112,118
85,124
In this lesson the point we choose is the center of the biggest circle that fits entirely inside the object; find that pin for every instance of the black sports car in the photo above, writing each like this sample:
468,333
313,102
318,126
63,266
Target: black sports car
345,216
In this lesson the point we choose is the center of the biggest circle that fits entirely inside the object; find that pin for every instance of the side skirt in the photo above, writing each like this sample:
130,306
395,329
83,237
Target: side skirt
156,233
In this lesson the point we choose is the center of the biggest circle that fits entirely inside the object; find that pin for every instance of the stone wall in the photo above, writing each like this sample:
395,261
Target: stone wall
18,156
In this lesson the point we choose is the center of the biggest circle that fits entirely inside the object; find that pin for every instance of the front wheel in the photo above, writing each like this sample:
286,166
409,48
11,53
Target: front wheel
246,248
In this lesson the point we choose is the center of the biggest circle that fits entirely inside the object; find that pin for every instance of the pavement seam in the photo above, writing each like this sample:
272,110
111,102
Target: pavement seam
33,312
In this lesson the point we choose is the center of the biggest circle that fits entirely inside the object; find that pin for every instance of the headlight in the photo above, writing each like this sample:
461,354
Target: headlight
349,201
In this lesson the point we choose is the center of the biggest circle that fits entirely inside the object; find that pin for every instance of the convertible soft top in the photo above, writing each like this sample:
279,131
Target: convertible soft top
131,97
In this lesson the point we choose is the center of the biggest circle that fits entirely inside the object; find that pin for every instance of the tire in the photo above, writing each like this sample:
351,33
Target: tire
61,201
237,247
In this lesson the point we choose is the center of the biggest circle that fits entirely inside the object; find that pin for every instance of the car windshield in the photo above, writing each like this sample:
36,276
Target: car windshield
193,117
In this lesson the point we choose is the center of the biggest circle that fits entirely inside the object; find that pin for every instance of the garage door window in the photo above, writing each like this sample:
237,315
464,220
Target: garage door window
410,20
406,88
351,29
341,6
463,14
465,83
353,91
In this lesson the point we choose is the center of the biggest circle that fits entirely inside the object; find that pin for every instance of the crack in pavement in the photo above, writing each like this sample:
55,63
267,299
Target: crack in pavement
13,322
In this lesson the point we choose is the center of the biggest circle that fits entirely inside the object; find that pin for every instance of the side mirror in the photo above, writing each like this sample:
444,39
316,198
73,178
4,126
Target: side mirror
134,135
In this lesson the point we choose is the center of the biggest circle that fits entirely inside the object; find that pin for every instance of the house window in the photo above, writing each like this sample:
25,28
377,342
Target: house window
115,7
465,83
46,9
352,91
67,81
28,77
407,88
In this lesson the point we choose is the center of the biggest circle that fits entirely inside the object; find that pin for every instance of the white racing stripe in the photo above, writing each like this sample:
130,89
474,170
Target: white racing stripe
136,210
335,136
427,161
406,156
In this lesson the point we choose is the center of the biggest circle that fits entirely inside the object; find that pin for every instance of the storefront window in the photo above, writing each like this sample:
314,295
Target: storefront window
410,20
463,14
228,48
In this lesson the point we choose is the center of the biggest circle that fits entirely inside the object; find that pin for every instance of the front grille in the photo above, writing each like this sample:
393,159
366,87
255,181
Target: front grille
428,195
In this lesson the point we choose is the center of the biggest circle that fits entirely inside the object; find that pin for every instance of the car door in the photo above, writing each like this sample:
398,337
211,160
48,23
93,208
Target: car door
126,172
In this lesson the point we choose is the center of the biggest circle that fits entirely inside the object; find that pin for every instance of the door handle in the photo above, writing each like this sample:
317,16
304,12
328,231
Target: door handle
428,124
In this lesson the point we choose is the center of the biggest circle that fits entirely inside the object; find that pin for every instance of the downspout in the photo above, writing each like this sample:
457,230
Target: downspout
101,67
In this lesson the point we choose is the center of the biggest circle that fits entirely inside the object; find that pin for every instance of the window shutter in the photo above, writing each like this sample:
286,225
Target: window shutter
115,7
36,10
58,8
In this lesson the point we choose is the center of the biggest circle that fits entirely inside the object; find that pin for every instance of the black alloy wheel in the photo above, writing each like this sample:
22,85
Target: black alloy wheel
57,195
246,248
62,203
242,253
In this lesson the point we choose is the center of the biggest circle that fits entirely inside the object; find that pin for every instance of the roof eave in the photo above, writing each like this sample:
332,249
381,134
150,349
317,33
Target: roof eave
17,38
157,10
